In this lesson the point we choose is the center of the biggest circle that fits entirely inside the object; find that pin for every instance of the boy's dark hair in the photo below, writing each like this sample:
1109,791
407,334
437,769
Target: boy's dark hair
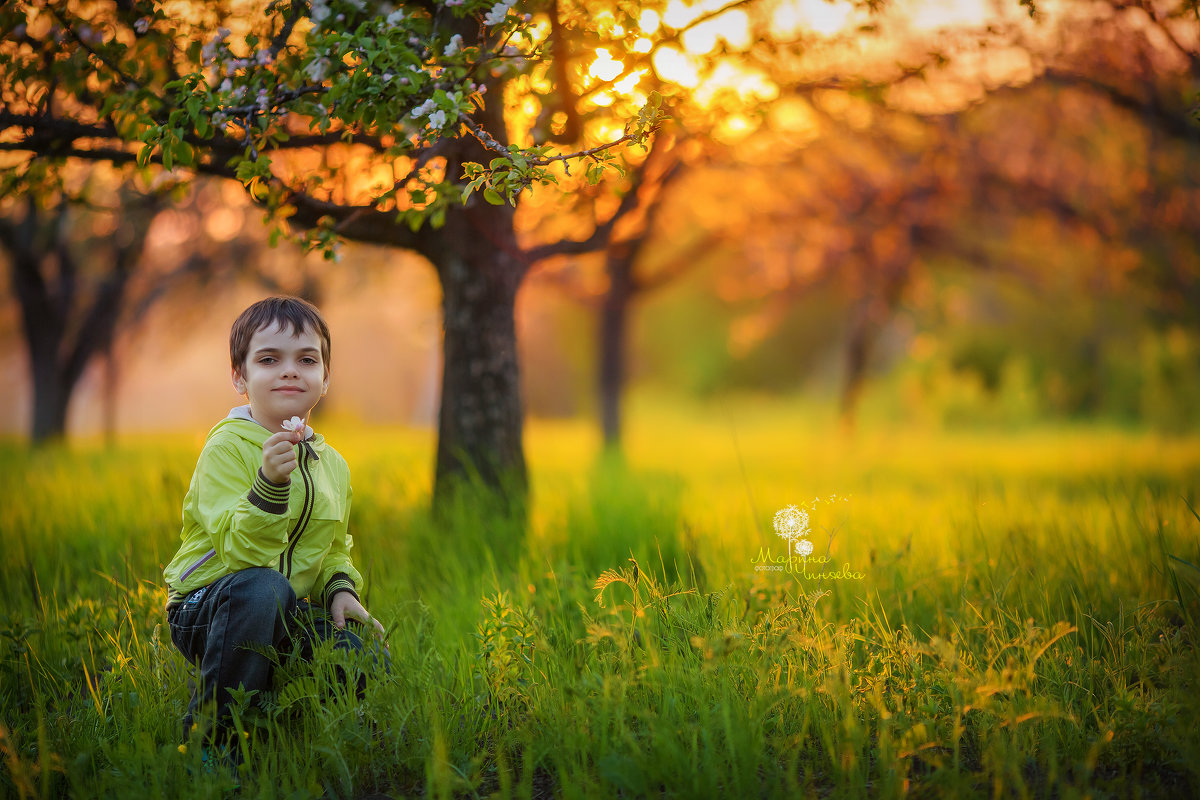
281,311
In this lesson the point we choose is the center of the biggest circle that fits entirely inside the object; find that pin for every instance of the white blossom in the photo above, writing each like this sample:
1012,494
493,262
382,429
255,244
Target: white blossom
454,46
142,25
320,10
226,86
208,53
437,120
296,424
425,108
317,69
497,15
396,17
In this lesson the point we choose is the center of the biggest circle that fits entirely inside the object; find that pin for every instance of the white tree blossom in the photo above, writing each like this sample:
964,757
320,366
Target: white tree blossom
498,13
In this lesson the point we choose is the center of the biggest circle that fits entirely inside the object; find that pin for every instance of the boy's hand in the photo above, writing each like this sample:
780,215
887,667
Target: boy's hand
346,605
279,456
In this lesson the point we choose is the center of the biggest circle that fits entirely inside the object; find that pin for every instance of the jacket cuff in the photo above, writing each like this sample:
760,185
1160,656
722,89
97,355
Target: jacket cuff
340,582
269,497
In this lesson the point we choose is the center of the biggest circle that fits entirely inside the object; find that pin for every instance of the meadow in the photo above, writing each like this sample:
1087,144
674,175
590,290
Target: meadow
984,614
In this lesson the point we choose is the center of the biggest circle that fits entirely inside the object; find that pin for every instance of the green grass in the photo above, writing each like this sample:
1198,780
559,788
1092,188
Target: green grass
1025,624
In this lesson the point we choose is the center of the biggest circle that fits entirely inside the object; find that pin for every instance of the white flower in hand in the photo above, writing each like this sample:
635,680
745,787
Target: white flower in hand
294,424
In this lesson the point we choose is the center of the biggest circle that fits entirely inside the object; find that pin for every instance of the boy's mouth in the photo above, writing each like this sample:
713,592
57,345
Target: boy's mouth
289,389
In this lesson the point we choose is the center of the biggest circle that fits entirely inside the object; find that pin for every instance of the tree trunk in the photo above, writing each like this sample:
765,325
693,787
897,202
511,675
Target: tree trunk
480,266
63,333
29,241
112,388
480,420
858,349
51,397
871,315
614,315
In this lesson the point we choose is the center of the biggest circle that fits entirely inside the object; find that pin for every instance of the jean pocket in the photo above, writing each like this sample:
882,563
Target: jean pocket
189,640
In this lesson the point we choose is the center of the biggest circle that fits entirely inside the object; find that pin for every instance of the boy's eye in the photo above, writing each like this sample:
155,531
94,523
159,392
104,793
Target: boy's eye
266,360
309,360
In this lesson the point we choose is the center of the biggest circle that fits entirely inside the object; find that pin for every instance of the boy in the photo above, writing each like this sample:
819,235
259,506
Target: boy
264,520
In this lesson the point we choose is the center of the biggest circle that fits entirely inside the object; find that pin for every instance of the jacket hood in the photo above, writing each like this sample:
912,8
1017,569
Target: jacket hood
241,423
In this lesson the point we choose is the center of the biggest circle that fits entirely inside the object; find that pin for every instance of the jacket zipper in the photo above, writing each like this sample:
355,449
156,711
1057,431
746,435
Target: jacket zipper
305,512
197,565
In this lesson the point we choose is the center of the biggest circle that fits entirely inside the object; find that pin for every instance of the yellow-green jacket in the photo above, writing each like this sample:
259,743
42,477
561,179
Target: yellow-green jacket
234,518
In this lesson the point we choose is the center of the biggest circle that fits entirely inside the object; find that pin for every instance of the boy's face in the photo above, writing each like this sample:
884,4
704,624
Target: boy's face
283,376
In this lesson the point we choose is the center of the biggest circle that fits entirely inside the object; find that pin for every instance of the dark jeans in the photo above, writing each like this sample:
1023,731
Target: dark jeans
222,627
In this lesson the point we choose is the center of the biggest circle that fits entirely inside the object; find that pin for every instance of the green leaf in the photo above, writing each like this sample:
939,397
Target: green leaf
492,197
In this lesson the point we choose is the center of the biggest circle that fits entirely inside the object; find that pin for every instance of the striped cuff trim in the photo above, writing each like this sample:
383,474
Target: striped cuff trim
269,497
338,583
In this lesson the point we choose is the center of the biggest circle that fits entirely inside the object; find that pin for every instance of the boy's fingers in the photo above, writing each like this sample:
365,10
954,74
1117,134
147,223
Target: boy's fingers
339,618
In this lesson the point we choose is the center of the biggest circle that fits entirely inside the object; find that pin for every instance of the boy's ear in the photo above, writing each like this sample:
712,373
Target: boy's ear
239,383
325,386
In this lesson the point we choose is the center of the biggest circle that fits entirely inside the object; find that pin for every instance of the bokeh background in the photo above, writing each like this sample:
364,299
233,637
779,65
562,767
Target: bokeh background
950,214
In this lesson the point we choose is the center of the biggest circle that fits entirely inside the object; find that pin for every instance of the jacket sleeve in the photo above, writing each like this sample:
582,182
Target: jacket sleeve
337,570
245,514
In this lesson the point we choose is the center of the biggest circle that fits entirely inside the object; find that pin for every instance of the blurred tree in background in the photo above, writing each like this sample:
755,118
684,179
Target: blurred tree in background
88,262
1072,198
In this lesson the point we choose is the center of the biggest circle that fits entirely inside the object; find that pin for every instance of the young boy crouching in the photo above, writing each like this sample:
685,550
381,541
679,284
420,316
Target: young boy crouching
264,521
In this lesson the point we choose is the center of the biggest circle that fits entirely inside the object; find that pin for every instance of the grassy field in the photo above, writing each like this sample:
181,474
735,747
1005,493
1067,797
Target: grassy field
1000,614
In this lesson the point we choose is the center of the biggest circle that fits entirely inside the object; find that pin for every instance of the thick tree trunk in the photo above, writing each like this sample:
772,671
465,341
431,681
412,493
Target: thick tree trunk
614,316
480,420
480,266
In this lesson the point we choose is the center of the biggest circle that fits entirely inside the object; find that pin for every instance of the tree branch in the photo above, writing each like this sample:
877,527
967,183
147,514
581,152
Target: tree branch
1174,124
